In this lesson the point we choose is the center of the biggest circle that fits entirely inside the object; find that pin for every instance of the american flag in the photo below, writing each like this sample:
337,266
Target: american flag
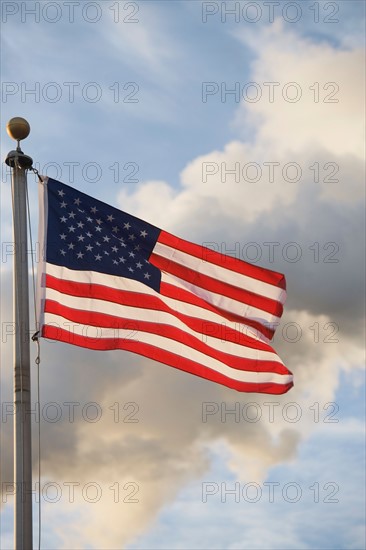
109,280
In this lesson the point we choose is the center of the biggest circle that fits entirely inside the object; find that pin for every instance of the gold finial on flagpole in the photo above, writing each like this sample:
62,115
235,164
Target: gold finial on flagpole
18,128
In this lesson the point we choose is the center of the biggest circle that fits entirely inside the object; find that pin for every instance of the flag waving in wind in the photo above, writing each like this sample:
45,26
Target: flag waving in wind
109,281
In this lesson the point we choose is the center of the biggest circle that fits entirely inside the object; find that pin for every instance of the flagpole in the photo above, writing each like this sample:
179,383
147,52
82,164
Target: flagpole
18,129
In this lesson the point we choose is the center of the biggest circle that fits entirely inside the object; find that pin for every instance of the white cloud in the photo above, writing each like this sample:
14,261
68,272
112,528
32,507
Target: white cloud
329,116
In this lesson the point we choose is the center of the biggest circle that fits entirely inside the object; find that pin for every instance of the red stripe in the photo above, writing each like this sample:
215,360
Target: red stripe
146,301
104,320
165,357
222,260
219,287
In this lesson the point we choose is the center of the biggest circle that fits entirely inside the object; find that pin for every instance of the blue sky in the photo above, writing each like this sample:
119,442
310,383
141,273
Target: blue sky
305,219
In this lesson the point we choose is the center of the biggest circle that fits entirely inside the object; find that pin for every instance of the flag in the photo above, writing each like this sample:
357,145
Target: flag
109,280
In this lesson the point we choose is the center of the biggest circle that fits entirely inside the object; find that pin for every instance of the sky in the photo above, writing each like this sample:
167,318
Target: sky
237,125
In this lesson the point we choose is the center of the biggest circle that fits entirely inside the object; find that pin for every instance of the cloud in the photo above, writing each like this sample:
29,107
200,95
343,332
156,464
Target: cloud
255,521
322,105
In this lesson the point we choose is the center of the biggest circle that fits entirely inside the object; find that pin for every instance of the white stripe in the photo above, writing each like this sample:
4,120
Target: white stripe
172,346
131,285
161,317
220,273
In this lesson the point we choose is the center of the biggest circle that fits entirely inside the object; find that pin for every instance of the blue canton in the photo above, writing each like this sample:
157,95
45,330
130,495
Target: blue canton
89,235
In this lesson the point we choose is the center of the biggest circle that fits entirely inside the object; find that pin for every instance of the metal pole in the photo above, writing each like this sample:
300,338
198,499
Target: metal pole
23,538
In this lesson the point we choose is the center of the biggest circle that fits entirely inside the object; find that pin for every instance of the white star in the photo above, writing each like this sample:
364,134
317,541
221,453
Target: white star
88,234
71,246
97,243
99,229
81,237
89,219
131,237
89,248
123,260
81,224
93,209
63,252
132,254
115,229
63,236
130,269
77,201
63,204
137,247
147,276
98,257
72,215
99,221
126,226
72,228
114,249
123,245
63,219
106,239
110,218
143,233
106,253
115,262
79,255
61,193
139,265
